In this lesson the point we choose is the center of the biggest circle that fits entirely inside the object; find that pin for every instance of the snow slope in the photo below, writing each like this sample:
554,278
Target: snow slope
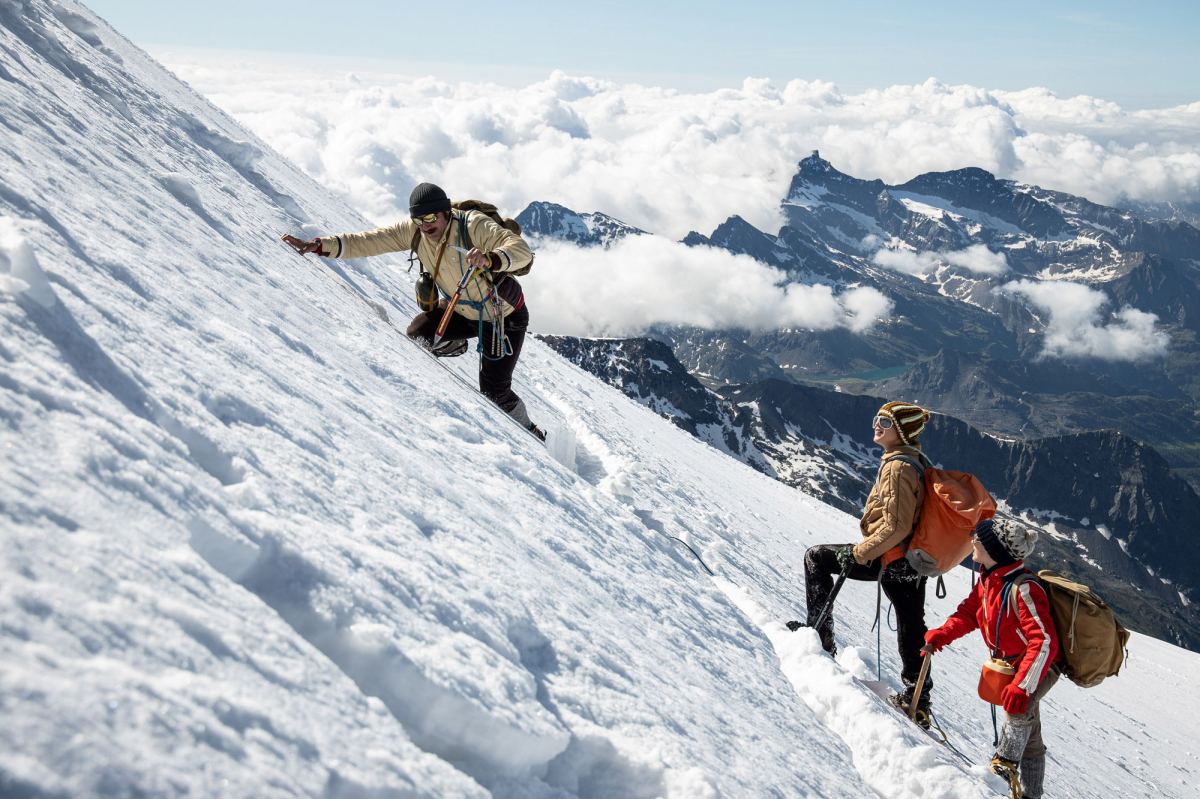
257,543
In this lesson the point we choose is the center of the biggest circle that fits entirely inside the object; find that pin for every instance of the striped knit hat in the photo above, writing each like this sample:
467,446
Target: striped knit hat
909,419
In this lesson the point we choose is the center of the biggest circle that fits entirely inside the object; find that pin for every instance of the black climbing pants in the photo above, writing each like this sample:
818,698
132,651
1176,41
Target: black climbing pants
495,377
903,587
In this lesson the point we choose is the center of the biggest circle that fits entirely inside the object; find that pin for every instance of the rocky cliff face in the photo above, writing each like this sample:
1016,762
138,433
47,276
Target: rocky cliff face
1109,509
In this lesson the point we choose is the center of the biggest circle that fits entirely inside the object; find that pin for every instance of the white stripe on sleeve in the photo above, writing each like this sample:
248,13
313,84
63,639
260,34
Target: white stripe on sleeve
1034,675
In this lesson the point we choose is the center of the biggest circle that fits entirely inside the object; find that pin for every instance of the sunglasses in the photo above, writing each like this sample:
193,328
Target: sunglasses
428,219
882,422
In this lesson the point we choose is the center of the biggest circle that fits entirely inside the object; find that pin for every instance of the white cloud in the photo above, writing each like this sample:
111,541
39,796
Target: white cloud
977,259
909,261
1075,328
671,162
643,280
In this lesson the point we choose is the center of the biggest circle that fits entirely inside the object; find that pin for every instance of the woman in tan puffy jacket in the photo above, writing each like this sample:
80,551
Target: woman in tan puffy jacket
889,519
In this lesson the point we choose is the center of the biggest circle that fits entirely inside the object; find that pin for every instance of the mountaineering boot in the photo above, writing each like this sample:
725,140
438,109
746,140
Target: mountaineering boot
449,349
1033,773
903,699
537,432
829,646
1011,774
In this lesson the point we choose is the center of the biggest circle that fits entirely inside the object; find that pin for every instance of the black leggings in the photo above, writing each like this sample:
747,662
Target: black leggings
903,586
495,377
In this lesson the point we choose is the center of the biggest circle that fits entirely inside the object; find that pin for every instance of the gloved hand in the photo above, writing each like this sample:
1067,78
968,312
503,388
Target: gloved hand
845,556
1015,700
794,625
937,639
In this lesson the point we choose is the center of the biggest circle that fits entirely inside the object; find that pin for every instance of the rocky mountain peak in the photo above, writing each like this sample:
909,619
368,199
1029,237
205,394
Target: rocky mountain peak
551,220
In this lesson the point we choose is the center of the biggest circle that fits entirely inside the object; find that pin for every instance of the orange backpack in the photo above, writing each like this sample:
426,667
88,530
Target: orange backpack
954,503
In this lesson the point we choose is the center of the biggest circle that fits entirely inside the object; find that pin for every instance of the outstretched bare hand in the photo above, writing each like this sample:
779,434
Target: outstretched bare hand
300,245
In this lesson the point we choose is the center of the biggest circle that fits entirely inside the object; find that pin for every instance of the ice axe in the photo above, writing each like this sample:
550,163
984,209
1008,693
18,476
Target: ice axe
837,586
462,286
926,659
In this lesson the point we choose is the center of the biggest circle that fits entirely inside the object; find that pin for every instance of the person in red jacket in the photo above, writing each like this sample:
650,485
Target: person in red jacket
1018,629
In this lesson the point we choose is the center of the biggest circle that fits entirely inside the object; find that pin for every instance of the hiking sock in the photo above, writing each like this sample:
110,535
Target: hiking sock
1033,773
520,414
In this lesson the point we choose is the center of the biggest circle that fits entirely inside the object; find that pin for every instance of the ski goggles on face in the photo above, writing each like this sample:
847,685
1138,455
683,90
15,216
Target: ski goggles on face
882,422
428,219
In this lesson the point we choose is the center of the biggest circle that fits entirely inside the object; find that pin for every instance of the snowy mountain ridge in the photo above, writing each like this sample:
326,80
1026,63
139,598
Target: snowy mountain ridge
541,220
257,543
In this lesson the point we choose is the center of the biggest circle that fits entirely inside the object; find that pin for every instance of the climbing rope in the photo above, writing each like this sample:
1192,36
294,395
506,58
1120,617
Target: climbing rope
935,724
694,552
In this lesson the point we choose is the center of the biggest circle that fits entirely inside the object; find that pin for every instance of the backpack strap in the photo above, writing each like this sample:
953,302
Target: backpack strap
462,226
1014,586
412,250
915,464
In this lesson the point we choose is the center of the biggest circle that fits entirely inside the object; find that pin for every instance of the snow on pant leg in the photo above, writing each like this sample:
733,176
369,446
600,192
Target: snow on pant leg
1036,748
1022,735
495,377
907,596
820,566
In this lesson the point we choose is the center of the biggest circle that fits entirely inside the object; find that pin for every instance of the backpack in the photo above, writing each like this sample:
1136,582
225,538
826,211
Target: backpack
954,503
489,210
1090,638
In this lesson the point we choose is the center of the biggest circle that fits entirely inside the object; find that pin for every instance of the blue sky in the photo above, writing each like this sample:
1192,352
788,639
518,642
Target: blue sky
1139,55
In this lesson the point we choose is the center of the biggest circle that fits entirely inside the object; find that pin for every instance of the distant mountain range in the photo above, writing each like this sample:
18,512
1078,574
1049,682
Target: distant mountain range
1143,256
1110,510
1096,453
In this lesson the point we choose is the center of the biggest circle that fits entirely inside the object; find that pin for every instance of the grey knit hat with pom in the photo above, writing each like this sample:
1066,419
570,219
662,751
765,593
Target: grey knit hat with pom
1005,540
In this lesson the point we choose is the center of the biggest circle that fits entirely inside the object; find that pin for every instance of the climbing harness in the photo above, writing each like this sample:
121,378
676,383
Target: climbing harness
489,306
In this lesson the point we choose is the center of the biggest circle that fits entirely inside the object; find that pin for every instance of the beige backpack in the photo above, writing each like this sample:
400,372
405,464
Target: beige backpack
1090,638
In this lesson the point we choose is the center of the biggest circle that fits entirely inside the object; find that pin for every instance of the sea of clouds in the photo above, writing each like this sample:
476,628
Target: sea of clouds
670,162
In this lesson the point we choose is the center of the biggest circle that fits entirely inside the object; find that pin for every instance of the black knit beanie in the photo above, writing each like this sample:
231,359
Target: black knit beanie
427,199
985,531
